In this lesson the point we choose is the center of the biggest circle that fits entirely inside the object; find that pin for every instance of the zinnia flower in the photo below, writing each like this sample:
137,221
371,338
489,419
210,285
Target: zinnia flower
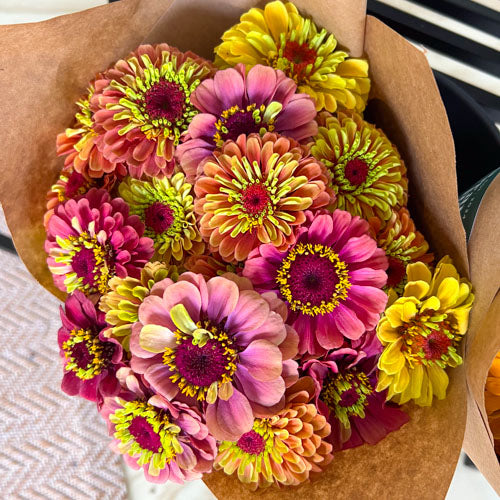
278,36
143,107
492,400
168,440
125,295
72,185
167,209
345,382
421,332
331,279
217,342
366,172
92,239
80,144
233,104
90,359
402,244
284,449
254,191
211,264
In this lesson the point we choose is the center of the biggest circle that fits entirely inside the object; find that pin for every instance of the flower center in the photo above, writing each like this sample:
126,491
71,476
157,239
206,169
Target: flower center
346,394
165,100
252,443
87,356
356,171
76,185
299,53
255,199
235,121
312,279
295,59
144,434
396,272
89,262
145,430
430,339
195,368
159,217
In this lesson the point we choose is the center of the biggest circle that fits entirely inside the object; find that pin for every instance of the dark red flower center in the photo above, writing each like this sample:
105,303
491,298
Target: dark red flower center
159,217
356,171
84,265
144,434
348,398
201,366
165,100
255,198
241,122
312,279
395,272
82,356
434,345
251,443
300,54
76,185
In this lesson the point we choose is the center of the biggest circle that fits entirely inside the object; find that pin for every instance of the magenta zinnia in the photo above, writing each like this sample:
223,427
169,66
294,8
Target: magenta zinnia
144,107
93,239
90,359
345,393
232,104
218,342
331,279
169,440
255,190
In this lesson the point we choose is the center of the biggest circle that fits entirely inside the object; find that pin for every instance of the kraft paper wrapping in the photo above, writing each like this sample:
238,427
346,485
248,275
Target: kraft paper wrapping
484,342
44,68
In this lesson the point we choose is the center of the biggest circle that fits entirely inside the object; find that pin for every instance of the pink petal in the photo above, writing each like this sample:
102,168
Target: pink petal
347,322
273,330
184,293
264,393
223,296
262,360
229,87
152,311
250,312
261,84
158,377
327,333
358,249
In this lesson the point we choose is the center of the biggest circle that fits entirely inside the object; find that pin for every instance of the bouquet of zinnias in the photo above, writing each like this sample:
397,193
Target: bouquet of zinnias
245,288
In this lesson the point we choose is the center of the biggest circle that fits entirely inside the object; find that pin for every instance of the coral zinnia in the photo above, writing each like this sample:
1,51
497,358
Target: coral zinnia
92,239
80,144
233,104
421,332
121,303
279,37
345,382
90,360
143,107
284,449
219,342
254,191
72,185
169,440
366,172
402,243
492,400
331,279
166,207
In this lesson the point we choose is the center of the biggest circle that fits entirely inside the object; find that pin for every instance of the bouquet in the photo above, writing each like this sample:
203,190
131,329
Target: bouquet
246,290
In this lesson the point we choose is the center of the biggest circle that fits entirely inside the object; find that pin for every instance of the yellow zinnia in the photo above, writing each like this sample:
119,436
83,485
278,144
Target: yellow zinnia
421,331
280,37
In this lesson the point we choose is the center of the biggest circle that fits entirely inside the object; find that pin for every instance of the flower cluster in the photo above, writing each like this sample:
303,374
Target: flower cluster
246,288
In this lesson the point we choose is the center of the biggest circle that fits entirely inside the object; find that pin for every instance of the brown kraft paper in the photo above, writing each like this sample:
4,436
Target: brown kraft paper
45,67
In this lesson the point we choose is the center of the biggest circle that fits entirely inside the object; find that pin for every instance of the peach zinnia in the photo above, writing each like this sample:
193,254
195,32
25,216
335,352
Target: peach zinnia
255,190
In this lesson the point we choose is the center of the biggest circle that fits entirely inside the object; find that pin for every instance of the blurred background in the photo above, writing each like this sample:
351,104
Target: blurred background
55,447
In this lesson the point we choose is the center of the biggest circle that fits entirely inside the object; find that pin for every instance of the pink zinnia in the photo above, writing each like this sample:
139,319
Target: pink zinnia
220,343
345,393
331,279
142,107
233,103
92,239
90,359
169,440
